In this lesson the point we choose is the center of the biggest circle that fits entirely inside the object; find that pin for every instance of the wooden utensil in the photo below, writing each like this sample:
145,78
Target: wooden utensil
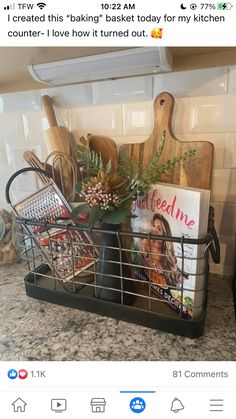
195,172
107,147
34,161
57,138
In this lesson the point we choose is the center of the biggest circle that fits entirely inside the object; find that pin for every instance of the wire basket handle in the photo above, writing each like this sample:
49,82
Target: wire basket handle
215,244
19,172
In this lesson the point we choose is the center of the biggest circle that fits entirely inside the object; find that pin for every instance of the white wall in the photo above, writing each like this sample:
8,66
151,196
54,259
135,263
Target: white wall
205,110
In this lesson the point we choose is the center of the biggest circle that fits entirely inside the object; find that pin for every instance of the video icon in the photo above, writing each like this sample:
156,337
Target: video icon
58,405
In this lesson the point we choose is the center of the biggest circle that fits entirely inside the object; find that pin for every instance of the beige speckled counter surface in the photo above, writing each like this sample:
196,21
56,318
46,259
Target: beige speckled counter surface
36,330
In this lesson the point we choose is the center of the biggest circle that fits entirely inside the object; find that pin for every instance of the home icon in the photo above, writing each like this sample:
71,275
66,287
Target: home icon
98,405
19,405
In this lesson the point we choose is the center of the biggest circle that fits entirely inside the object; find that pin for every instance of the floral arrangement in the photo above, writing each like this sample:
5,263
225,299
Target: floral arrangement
108,195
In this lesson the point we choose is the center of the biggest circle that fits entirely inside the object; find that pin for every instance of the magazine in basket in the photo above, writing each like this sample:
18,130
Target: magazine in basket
174,211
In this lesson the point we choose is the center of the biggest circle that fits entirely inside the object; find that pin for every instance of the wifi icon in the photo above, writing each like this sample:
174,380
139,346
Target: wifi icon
41,5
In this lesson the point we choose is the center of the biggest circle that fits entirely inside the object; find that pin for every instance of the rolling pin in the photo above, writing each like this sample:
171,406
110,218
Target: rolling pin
57,138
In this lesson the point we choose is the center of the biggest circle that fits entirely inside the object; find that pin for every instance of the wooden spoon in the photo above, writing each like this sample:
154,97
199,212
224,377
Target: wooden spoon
107,147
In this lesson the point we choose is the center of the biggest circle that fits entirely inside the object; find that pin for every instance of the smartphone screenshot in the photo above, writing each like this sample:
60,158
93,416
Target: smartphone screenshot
117,209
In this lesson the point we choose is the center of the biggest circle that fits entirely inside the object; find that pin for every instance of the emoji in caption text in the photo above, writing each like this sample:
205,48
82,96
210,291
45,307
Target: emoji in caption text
156,33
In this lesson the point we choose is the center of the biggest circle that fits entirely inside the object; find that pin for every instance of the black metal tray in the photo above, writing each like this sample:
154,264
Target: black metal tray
42,288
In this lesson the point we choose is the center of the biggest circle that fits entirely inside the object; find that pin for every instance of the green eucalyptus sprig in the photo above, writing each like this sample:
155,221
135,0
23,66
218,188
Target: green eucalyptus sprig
153,172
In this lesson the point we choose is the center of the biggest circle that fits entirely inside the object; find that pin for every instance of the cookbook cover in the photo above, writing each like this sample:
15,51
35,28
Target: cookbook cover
173,211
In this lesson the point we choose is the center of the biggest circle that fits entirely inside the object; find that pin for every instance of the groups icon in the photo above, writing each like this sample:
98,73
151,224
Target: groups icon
137,405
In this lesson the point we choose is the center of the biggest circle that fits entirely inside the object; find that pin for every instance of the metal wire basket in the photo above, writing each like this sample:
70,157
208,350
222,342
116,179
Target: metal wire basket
140,303
101,270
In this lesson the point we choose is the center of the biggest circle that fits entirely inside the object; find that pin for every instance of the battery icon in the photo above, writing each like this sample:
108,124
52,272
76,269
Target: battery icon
224,6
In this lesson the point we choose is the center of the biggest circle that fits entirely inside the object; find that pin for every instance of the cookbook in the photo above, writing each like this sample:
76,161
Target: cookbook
174,271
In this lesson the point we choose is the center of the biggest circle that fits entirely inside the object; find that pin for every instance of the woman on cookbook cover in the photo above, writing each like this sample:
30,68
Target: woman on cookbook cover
160,255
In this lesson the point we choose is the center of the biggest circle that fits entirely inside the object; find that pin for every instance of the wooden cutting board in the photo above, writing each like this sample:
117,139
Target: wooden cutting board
194,172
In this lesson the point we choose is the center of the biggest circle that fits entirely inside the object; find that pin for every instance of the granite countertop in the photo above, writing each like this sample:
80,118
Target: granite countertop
41,331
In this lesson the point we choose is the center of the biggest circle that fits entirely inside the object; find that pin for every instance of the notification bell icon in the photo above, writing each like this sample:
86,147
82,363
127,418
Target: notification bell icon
176,405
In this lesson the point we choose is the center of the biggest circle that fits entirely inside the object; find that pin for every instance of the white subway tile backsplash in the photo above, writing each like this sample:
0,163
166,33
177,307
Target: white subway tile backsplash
2,155
63,96
3,162
180,117
100,120
122,91
205,114
5,174
209,81
230,151
218,140
34,124
18,161
138,118
20,101
11,128
9,156
232,79
14,156
227,250
72,96
225,218
130,139
227,256
1,104
224,185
